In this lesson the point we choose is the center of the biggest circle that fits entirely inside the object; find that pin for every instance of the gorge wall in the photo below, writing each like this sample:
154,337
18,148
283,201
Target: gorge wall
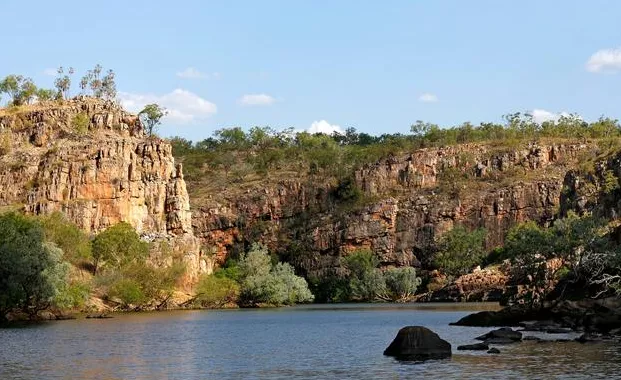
406,203
91,160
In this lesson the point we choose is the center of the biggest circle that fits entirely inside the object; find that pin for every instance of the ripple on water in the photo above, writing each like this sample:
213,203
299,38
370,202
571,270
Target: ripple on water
315,341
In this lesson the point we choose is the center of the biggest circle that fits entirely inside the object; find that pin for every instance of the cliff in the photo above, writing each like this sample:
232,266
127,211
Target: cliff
91,160
406,202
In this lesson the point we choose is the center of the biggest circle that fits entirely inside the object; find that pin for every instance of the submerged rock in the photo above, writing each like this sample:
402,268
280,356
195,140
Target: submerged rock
418,343
493,350
503,335
474,347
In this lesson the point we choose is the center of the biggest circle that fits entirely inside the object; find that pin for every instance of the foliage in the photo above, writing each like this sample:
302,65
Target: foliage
460,250
117,246
264,283
100,87
44,94
151,116
21,90
214,291
138,283
402,282
31,271
63,82
72,295
579,243
80,123
369,283
75,244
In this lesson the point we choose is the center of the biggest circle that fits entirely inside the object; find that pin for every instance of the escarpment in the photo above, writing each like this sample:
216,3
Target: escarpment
405,202
91,160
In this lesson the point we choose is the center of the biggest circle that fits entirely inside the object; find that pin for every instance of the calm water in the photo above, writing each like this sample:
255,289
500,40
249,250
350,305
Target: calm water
323,342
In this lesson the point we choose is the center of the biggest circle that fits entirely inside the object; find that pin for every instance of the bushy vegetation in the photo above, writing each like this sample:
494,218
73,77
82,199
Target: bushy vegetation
367,282
460,250
31,270
254,280
578,250
45,262
22,90
237,154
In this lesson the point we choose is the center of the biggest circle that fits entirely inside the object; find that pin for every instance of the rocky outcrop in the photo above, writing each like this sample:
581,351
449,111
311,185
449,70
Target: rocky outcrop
416,343
482,285
407,202
91,160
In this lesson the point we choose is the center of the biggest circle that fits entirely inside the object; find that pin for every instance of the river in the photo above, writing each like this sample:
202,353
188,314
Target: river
311,341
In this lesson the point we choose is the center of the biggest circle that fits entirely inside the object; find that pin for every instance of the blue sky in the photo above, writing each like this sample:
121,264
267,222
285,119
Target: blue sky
376,66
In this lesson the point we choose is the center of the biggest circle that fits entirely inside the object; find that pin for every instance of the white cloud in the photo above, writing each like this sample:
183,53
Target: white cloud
256,100
428,98
50,72
323,126
191,73
183,106
605,60
539,115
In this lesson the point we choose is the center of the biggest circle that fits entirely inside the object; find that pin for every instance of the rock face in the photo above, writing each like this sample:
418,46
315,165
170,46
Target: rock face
410,201
91,160
418,343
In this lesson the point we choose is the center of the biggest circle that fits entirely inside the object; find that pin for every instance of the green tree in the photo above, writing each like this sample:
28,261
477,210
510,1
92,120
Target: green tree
63,82
151,116
214,291
31,271
460,250
44,94
402,283
74,243
117,246
263,283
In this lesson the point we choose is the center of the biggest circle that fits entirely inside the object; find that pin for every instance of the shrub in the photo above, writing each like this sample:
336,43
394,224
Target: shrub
74,243
80,123
31,272
275,285
402,282
128,291
460,250
72,296
117,246
213,291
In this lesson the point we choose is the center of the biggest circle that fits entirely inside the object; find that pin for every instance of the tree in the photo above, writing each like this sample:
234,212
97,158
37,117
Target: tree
402,283
100,87
44,94
117,246
214,291
21,90
74,243
151,116
460,250
274,285
63,82
31,271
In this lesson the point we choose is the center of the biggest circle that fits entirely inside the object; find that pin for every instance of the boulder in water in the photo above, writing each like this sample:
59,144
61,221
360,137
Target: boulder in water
493,350
418,343
501,336
474,347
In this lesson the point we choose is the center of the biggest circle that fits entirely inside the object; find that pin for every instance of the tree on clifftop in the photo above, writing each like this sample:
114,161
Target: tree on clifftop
151,116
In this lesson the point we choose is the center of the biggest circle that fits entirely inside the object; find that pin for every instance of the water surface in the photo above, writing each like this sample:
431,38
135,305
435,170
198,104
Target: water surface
314,341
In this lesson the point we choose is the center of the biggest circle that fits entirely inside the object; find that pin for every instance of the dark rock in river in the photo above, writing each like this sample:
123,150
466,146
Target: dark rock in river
98,316
509,316
493,351
473,347
418,343
501,336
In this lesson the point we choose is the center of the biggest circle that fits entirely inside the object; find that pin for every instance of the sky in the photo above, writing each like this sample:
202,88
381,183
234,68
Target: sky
377,66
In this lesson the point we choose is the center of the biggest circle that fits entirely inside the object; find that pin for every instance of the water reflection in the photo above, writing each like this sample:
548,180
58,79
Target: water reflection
314,341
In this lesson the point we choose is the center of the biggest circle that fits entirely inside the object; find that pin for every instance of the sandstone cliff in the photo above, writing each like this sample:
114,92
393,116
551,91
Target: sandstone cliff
91,160
408,201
